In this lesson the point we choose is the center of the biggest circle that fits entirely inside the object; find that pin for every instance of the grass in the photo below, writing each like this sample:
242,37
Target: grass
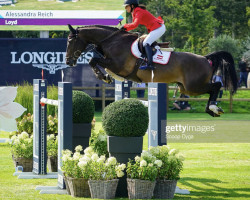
199,106
53,5
212,171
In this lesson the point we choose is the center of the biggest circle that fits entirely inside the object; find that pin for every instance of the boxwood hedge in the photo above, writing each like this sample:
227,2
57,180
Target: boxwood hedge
83,107
125,118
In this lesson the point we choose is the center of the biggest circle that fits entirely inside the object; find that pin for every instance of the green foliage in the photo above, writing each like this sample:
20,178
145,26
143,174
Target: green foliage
25,124
52,145
70,163
90,166
22,145
98,141
141,169
52,125
101,168
225,43
125,118
172,162
232,16
83,107
25,97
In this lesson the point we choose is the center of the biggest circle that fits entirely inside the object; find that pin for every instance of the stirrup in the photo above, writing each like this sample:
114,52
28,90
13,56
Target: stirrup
147,67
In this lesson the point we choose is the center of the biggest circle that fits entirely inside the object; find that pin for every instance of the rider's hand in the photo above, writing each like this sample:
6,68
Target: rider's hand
122,28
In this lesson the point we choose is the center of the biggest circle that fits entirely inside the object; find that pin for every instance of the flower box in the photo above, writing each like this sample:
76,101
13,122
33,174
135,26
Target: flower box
140,189
103,189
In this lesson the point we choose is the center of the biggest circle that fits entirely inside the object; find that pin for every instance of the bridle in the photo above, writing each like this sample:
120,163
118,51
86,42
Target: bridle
90,47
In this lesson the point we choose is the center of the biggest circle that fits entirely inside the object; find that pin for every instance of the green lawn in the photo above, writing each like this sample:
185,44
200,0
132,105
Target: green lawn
211,170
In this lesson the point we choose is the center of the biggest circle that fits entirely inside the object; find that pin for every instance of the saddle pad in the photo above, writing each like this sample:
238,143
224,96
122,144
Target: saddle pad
160,57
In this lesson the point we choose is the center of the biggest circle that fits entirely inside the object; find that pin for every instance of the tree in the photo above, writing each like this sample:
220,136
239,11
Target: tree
232,15
225,43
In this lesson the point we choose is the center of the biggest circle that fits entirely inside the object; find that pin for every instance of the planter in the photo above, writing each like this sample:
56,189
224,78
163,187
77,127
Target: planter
66,184
78,187
140,189
101,189
52,163
165,189
123,149
26,163
81,135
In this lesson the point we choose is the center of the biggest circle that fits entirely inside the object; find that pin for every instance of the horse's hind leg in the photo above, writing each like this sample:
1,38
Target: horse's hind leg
211,107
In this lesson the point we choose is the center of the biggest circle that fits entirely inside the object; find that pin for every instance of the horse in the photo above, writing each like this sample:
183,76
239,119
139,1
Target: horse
193,73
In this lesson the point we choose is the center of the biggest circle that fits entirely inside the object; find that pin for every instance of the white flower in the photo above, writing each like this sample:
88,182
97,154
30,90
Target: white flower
101,159
78,148
9,110
88,150
154,150
94,157
143,163
120,173
24,135
137,158
150,165
173,152
82,164
77,156
20,137
122,166
85,158
65,158
52,136
67,152
158,163
112,161
102,138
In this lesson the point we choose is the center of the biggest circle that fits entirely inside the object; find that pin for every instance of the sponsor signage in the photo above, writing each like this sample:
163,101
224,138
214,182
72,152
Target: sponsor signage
22,60
60,17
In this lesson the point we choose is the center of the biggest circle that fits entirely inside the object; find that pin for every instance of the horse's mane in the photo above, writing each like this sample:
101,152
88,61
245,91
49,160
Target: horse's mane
99,26
110,28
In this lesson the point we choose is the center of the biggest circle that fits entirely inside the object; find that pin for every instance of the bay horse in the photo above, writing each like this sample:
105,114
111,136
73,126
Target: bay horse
193,73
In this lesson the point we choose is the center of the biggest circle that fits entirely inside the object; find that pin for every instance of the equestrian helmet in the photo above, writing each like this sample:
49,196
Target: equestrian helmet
130,2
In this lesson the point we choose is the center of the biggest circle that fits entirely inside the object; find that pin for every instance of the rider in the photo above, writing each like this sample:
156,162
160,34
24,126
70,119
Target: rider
155,26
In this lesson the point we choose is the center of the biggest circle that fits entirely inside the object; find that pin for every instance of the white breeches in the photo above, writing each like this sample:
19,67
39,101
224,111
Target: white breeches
154,35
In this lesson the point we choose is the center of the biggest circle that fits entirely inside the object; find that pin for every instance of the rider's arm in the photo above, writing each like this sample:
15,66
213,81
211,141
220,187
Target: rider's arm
135,23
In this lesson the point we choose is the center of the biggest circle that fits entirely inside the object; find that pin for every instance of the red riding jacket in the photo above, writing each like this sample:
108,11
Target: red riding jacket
144,17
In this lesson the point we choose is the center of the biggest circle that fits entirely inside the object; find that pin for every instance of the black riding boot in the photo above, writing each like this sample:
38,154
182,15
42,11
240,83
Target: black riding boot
149,54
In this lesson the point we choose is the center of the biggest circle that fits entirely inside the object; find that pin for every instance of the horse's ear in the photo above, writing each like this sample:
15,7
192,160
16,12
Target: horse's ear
72,30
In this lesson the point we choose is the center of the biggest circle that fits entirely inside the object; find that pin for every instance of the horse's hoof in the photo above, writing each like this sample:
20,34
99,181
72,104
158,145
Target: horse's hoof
211,113
214,109
108,79
220,111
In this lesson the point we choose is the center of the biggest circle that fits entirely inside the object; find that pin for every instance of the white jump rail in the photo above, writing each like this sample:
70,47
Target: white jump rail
49,101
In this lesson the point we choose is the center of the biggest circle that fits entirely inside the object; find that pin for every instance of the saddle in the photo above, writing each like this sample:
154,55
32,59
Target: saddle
154,45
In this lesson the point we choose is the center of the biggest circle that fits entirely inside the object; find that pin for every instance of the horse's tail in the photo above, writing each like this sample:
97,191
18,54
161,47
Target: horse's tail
224,61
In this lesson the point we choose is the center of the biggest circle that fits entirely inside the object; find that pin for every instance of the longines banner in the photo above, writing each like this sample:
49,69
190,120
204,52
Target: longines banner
22,60
60,17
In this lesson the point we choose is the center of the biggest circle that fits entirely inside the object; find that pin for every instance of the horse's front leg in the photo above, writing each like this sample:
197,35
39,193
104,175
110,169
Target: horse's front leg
98,73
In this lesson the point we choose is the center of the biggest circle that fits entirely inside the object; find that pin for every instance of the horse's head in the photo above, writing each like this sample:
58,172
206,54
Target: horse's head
75,46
